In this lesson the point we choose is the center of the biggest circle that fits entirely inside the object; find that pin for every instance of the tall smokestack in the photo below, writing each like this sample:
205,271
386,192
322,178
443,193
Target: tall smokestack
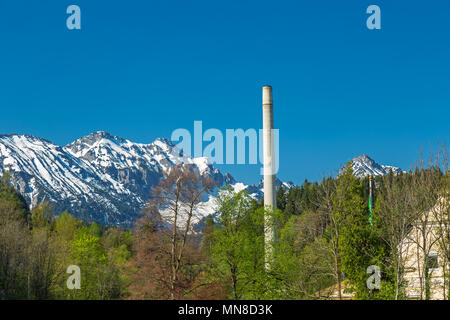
269,168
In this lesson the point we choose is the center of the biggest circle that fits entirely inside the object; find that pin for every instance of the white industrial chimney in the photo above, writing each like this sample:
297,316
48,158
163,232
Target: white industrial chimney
269,169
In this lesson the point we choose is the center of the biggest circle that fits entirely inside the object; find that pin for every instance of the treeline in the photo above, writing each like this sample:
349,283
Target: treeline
324,242
322,232
36,248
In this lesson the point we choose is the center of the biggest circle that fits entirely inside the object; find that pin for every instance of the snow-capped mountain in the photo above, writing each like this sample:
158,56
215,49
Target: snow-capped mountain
364,166
99,177
105,178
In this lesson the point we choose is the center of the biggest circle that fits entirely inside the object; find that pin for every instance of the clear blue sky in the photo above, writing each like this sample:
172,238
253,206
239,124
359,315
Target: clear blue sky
140,69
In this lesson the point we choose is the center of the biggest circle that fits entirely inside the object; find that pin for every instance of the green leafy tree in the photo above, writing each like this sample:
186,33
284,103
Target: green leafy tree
237,250
303,262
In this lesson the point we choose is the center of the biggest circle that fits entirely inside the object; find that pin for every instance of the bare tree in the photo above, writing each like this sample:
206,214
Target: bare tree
424,197
395,215
326,204
441,215
178,200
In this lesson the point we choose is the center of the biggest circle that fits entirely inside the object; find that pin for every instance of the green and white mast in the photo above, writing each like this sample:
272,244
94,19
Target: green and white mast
370,201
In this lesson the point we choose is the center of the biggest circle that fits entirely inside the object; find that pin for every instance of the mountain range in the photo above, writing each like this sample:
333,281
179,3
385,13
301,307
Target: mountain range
100,177
107,179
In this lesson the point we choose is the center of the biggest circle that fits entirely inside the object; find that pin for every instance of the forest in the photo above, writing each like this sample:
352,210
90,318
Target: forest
323,239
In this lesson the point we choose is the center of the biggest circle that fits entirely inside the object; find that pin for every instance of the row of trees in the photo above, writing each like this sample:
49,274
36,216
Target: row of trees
411,216
36,249
323,239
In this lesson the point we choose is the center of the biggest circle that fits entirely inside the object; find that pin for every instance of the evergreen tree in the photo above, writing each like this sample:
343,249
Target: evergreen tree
360,245
208,236
281,198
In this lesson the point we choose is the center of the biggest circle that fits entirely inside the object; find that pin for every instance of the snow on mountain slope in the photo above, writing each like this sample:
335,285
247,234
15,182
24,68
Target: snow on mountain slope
100,174
104,175
364,166
43,171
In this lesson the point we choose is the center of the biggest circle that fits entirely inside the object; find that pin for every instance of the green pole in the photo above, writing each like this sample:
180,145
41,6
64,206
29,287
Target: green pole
370,201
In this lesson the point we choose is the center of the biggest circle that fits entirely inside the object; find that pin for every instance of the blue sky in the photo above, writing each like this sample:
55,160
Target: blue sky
140,69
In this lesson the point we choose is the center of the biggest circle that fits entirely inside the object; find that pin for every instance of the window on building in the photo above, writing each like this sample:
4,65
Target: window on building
432,262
